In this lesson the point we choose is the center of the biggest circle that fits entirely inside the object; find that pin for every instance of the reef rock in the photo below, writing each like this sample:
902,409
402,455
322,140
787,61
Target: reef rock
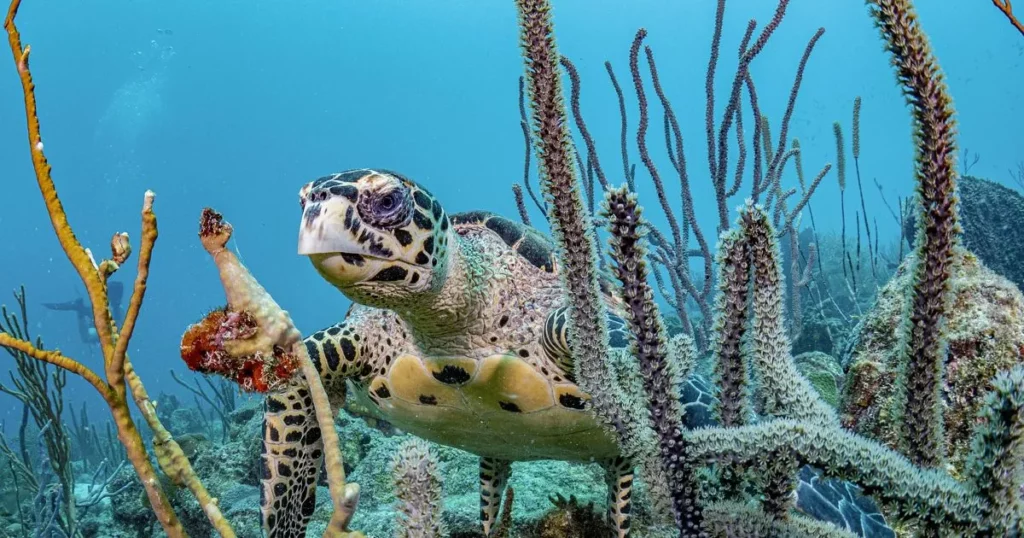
990,214
985,331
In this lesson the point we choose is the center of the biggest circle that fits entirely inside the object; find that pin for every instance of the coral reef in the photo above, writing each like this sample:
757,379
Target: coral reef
985,335
776,426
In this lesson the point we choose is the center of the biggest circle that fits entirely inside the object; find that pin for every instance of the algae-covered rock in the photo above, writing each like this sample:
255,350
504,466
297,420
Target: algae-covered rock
192,444
824,372
222,465
985,331
187,420
990,215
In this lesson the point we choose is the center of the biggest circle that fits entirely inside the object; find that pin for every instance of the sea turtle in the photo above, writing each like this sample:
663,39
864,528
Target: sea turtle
457,334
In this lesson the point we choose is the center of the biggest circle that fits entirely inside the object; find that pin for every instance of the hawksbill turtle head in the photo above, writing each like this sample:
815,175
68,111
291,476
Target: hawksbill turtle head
375,235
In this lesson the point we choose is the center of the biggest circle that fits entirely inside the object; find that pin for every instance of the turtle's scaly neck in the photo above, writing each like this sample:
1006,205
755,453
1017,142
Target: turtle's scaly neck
441,319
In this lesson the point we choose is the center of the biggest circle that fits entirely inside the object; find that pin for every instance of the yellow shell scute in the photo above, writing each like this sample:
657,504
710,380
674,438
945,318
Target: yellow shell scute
464,367
411,381
569,395
508,379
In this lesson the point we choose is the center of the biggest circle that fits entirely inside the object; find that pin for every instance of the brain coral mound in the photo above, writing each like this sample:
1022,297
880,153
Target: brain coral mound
985,331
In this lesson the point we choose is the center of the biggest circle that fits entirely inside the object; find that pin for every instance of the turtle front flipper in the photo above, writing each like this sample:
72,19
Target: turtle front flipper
494,475
292,445
292,456
619,476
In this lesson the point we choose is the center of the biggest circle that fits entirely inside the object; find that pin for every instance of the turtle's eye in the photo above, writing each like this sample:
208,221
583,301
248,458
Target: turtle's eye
386,209
388,202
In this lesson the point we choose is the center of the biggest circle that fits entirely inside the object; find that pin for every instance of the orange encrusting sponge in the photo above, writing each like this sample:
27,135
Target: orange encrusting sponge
202,349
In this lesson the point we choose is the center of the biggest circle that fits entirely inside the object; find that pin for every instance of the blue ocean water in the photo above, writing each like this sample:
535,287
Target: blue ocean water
236,104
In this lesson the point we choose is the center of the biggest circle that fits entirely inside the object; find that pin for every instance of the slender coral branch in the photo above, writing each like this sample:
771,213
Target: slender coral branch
76,253
571,223
641,141
623,128
592,157
276,335
95,284
783,391
171,458
57,359
731,305
1007,8
923,340
517,193
651,351
524,124
115,367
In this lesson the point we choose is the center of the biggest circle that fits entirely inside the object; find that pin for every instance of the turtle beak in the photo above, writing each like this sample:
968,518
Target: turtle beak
326,226
336,242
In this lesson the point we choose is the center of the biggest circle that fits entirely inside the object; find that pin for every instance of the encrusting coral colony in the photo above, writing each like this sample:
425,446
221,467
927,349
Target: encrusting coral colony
735,477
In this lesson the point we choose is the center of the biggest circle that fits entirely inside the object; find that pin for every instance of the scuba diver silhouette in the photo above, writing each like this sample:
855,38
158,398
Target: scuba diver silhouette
83,311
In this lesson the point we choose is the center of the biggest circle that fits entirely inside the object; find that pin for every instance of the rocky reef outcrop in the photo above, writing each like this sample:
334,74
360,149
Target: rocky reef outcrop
985,334
991,215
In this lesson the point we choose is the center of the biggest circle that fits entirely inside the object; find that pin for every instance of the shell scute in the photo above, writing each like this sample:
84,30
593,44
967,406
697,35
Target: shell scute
535,247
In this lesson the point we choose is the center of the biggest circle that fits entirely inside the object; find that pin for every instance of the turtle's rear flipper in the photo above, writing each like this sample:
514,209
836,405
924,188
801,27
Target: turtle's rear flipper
494,475
292,456
619,476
